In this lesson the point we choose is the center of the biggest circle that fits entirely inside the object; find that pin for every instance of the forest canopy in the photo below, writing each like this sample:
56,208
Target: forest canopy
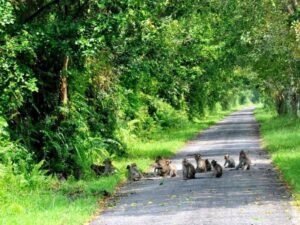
77,77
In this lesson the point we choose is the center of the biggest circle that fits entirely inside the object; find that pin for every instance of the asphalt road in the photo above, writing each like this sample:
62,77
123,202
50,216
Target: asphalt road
254,197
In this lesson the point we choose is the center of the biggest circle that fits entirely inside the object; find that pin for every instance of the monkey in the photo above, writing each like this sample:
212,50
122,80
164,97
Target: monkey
201,165
109,168
134,173
173,170
188,170
229,162
245,161
158,169
163,167
104,169
98,169
217,169
208,165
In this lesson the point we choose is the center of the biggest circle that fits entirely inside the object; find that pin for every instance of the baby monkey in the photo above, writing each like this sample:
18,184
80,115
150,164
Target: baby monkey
188,170
217,169
229,162
245,161
134,173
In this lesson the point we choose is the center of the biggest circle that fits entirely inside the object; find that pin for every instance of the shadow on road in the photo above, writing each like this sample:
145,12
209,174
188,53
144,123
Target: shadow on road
249,197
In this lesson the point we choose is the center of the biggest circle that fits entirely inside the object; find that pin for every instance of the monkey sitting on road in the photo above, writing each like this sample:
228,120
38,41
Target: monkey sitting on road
134,173
104,169
245,161
201,164
229,162
217,169
208,165
164,167
188,170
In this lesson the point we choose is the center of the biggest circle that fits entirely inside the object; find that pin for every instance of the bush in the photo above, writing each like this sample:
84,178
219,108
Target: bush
164,114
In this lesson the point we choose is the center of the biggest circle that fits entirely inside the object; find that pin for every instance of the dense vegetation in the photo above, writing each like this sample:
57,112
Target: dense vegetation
34,198
78,78
84,80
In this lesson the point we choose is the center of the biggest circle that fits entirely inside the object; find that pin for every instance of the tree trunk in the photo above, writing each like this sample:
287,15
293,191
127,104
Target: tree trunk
64,82
280,104
294,103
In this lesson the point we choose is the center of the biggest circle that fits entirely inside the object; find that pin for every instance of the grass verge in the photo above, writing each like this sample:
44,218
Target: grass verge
281,137
74,202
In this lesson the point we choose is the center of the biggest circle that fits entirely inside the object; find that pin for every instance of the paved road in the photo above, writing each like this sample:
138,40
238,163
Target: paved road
255,197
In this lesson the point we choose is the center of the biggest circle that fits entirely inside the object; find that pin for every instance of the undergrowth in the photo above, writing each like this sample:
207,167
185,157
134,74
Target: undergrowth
46,200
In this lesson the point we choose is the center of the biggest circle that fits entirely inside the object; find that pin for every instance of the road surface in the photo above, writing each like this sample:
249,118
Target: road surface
254,197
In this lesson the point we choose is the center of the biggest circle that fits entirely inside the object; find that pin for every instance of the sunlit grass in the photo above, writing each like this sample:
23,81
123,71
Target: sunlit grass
167,142
71,202
75,202
281,137
47,208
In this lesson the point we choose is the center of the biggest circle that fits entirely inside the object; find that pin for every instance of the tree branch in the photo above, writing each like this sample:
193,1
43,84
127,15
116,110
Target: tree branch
40,10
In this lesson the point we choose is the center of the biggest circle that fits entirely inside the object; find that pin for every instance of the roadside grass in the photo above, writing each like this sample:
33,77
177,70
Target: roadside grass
64,203
75,202
167,142
281,137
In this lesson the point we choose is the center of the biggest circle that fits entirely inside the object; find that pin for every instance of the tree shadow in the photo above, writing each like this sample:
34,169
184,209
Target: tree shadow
235,189
177,201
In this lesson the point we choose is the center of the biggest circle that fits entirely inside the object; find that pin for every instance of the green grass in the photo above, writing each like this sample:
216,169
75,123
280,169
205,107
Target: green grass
71,202
47,208
281,137
75,202
168,142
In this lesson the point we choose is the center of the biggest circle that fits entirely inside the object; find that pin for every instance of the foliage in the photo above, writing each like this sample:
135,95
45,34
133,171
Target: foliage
47,200
273,54
85,80
77,75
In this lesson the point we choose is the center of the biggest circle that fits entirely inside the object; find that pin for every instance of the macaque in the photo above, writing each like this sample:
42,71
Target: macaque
134,173
245,161
98,169
217,172
208,165
173,169
188,170
164,167
104,169
201,165
229,162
